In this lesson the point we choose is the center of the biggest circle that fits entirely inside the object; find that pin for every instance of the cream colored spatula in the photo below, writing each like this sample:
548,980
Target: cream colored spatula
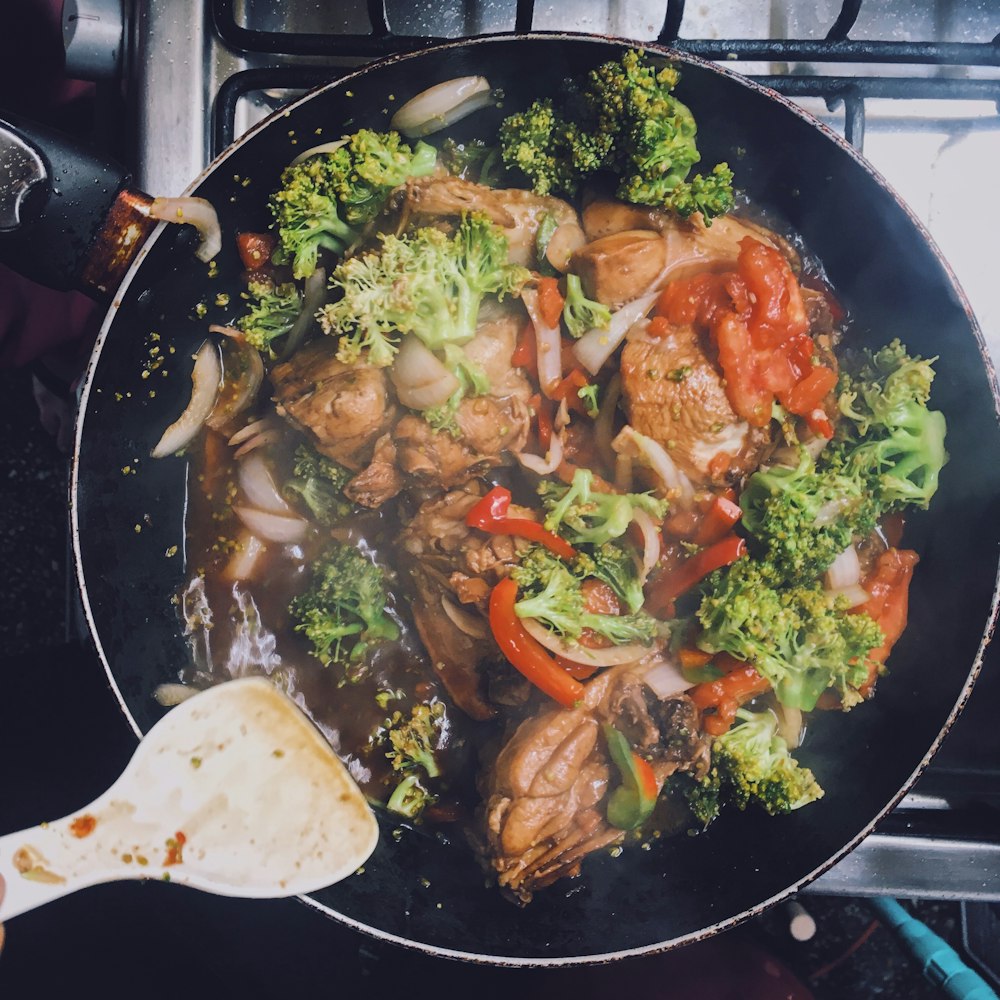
233,792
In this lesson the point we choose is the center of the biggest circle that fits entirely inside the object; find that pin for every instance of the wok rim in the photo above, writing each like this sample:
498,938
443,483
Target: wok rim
508,961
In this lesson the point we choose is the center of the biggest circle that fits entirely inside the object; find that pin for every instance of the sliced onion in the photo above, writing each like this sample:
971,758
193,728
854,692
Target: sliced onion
844,571
790,725
855,596
273,527
611,657
323,147
442,105
663,677
245,433
595,347
242,374
604,424
623,473
548,343
421,380
313,297
564,242
243,563
205,379
650,543
676,485
544,466
169,695
259,488
465,621
195,212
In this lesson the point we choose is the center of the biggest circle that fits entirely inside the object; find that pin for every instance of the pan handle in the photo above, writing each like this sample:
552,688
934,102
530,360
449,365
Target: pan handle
67,218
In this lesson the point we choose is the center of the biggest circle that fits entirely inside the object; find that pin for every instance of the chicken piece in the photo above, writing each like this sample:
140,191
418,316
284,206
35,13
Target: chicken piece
517,212
544,794
344,409
674,393
449,562
380,481
619,268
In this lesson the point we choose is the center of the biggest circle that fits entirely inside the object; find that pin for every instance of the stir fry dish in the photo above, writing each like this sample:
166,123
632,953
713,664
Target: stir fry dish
546,477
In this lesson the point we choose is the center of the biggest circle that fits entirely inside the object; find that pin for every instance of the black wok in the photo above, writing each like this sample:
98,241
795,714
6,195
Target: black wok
894,283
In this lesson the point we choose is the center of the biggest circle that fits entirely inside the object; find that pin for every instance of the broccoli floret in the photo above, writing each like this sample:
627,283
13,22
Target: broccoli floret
474,160
589,395
803,519
273,312
584,516
554,596
343,612
615,565
797,637
581,314
754,765
410,798
891,437
319,482
325,200
703,798
426,283
624,119
415,739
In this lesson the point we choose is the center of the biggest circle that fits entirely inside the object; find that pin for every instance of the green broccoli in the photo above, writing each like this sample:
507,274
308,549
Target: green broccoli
319,482
410,798
754,765
582,515
615,564
891,438
426,283
589,394
803,518
273,312
624,119
326,200
416,738
554,596
473,160
581,314
343,611
797,637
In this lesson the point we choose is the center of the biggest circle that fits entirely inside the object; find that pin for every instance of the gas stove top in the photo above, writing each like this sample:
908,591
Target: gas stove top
915,86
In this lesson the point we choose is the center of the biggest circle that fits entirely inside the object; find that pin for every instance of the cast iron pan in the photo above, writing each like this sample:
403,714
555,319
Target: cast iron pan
430,894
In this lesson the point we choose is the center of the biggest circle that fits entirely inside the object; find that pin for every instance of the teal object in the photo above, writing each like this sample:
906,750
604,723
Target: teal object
939,962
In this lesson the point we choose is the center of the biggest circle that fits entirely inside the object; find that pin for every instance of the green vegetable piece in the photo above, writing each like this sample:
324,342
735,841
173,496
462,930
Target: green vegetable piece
273,312
581,314
318,482
633,801
410,798
415,739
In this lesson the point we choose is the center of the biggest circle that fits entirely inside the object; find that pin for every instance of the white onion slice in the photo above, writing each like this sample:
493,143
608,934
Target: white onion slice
244,561
624,479
548,343
313,297
544,466
790,725
169,695
442,105
664,678
323,147
595,347
245,433
243,388
205,378
855,595
676,484
421,380
844,571
613,656
195,212
259,487
465,621
650,543
564,242
273,527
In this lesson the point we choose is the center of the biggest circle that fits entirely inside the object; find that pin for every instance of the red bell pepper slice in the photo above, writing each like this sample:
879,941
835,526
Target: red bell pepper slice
525,653
633,801
526,353
666,588
718,521
255,249
550,301
490,515
725,696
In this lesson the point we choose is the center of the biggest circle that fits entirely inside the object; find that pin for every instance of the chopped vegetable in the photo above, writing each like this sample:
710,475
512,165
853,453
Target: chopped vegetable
490,515
415,739
319,482
581,314
633,801
273,312
410,798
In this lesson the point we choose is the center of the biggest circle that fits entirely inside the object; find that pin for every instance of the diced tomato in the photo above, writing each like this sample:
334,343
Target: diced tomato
776,308
255,249
599,598
658,327
808,394
725,695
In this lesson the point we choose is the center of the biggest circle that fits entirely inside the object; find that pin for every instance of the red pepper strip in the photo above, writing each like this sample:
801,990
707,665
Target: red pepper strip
550,301
569,389
632,802
581,671
255,249
526,353
666,588
526,654
725,695
718,520
490,515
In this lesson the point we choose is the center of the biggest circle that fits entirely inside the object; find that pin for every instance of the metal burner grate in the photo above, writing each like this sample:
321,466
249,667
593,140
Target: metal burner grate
851,92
